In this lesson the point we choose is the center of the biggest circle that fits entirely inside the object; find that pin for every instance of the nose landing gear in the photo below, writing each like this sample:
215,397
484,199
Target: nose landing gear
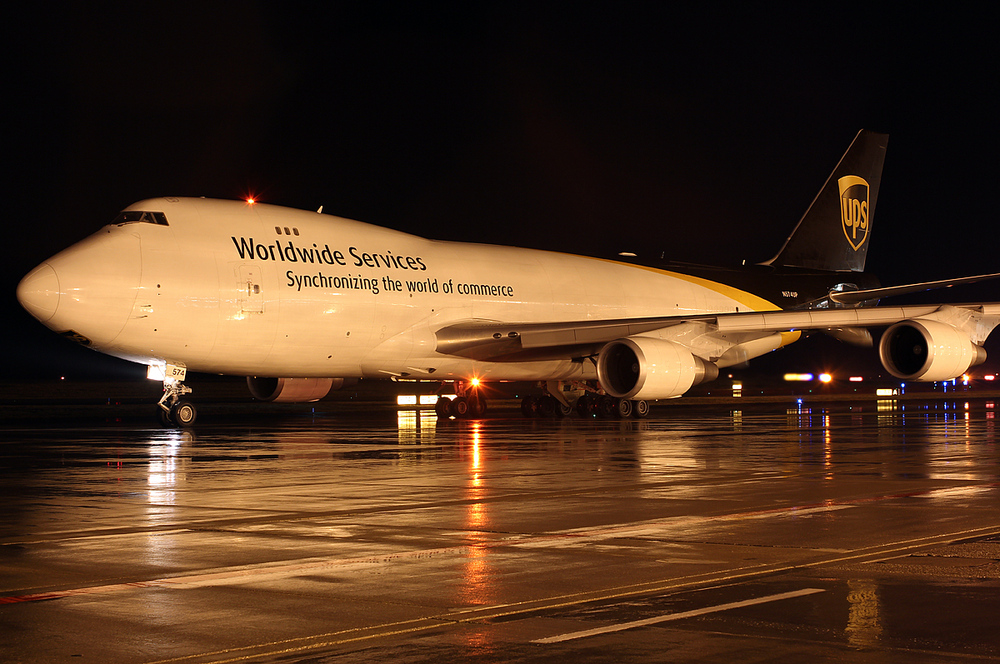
173,410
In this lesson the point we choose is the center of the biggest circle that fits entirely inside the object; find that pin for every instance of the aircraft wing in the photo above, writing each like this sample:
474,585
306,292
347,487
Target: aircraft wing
500,341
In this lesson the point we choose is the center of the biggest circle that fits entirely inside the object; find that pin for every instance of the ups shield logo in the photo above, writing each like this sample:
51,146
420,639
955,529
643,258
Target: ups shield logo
854,209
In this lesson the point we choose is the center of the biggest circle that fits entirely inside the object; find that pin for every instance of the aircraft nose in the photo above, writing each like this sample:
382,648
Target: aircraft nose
88,289
38,292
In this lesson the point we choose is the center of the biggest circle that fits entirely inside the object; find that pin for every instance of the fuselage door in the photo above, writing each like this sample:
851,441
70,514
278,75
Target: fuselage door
251,295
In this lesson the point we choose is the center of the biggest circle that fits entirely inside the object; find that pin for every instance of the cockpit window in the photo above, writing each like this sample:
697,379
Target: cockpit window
138,216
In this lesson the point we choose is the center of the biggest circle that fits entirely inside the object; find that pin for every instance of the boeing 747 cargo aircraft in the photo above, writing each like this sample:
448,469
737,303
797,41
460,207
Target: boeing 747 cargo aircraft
300,302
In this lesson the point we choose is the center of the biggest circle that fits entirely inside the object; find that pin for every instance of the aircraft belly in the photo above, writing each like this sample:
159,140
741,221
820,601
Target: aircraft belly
454,368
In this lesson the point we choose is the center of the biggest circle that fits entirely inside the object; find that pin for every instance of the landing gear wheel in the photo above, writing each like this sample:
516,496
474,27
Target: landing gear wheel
460,407
443,407
477,406
562,410
173,410
547,406
585,406
529,407
183,413
641,409
607,407
623,409
164,417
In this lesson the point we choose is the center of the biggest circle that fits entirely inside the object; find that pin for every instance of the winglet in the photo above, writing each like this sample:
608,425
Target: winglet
834,232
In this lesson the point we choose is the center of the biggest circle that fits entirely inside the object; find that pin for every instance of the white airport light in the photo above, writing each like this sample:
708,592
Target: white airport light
856,379
418,399
798,377
825,378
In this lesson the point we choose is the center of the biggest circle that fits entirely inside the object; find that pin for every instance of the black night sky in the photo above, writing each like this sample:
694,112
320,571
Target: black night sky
592,128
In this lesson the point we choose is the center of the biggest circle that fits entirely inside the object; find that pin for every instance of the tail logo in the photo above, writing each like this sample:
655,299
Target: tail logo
854,209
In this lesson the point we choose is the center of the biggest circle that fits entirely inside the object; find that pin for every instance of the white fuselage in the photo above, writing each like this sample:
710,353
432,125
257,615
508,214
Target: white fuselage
229,287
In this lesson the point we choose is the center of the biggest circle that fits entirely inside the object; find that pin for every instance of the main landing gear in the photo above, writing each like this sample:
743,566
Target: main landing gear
469,402
559,400
588,405
173,409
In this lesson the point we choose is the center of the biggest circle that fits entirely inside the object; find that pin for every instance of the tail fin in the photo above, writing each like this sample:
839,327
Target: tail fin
833,233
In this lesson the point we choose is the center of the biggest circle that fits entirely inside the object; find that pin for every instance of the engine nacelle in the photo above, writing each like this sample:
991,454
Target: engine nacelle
647,368
292,389
928,350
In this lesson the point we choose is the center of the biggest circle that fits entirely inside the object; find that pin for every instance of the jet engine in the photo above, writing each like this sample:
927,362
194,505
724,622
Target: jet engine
647,368
928,350
292,389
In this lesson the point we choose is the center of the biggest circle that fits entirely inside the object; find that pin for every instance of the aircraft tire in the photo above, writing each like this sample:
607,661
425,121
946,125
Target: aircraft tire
443,408
529,407
477,406
585,406
607,407
623,409
460,407
547,406
641,409
562,410
164,417
183,413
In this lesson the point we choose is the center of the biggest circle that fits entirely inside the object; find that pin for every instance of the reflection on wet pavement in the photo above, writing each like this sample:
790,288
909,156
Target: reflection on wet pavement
398,535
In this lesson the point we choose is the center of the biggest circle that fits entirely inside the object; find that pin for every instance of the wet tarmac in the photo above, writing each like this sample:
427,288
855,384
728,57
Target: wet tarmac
841,533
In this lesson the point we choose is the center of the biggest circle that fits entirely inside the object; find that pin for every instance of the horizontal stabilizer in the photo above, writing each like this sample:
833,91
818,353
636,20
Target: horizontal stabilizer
858,296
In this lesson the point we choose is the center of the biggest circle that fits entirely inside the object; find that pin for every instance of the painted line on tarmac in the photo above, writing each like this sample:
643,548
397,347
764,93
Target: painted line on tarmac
269,571
318,642
240,575
621,627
